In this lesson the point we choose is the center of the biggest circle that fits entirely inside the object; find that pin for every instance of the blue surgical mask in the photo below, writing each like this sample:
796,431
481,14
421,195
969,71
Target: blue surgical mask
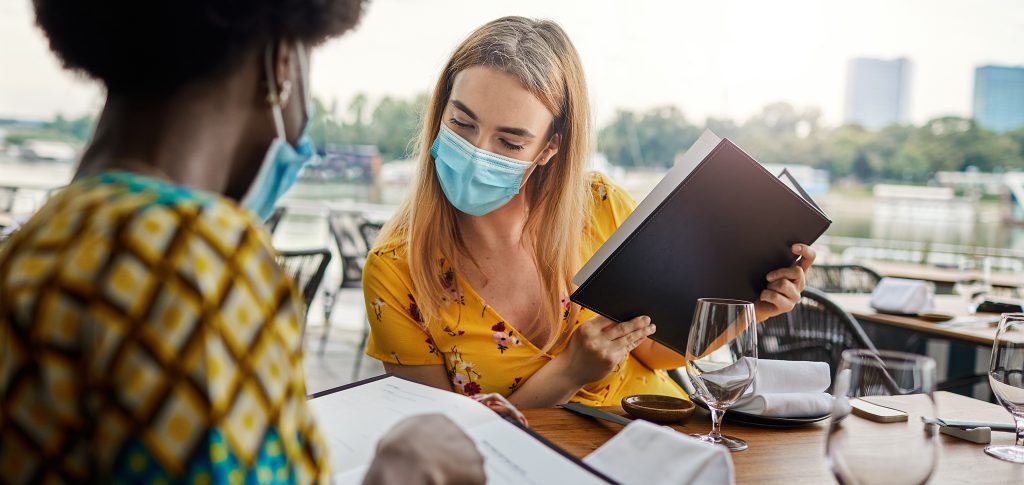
475,181
283,162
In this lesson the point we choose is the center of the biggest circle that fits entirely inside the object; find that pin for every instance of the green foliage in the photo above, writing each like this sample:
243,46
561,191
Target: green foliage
782,134
75,131
391,124
651,139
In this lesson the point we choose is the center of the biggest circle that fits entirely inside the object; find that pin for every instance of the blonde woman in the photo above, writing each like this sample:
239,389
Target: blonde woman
468,286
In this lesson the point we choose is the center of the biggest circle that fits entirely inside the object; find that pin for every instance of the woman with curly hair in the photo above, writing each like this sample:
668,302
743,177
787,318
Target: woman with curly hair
146,332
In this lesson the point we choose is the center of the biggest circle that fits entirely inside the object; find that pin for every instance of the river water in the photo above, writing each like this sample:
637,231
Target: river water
855,214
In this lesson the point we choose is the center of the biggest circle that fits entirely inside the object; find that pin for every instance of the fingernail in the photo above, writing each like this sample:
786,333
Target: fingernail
796,248
647,320
654,328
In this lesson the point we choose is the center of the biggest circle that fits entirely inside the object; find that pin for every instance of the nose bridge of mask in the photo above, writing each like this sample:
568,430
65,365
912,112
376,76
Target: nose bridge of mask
478,166
483,157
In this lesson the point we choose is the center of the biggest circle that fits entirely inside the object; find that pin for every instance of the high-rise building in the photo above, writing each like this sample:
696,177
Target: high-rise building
877,92
999,97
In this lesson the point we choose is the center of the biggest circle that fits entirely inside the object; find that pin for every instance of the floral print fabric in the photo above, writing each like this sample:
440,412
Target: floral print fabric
482,352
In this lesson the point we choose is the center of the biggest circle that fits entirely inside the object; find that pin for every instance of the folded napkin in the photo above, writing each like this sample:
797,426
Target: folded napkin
645,453
897,295
787,389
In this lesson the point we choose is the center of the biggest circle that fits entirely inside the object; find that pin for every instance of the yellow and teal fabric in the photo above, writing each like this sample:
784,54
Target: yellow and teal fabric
147,335
481,351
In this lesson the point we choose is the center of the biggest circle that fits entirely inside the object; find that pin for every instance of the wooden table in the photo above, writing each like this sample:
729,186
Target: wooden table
945,276
859,305
797,455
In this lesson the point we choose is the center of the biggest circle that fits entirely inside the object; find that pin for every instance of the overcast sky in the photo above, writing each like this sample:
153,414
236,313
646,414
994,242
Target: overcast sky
721,58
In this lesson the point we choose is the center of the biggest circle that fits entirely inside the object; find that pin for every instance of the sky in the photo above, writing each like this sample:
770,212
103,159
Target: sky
726,58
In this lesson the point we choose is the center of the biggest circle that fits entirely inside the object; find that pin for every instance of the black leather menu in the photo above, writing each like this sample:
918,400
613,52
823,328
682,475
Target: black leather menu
713,228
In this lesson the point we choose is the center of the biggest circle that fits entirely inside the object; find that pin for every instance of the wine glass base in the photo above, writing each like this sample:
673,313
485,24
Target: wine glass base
731,442
1010,453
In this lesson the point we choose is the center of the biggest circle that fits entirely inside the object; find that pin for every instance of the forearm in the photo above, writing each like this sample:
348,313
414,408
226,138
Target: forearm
657,356
550,386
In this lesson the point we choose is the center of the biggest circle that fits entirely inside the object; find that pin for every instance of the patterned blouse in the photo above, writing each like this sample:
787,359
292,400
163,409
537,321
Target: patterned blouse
147,335
481,351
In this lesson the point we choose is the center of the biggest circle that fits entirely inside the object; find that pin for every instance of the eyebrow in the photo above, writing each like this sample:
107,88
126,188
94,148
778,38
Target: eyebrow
504,129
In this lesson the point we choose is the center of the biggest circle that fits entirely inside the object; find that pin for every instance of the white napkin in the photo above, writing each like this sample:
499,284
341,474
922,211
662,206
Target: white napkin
787,389
897,295
648,454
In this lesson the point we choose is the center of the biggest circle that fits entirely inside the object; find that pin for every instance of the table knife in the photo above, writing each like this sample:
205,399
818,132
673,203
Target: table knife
596,413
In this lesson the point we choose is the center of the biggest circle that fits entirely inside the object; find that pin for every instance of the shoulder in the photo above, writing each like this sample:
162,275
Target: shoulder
612,204
387,262
115,234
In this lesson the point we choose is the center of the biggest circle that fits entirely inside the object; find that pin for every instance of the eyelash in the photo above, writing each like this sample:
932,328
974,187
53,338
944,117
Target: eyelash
511,146
507,145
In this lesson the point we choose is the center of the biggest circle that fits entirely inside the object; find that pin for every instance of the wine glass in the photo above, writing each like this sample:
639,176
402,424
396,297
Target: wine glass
862,451
721,359
1006,376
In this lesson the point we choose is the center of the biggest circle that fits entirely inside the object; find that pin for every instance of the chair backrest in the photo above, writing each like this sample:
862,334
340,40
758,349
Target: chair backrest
817,329
307,268
843,278
353,235
7,198
275,219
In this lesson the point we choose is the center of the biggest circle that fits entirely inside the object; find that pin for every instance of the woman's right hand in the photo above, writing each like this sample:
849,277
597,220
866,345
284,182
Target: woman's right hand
600,344
426,449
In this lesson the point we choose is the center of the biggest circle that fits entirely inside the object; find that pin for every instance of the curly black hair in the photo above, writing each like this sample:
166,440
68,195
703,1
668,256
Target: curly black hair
152,46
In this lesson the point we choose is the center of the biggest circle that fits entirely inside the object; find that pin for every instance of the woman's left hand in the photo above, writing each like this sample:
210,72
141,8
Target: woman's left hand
785,285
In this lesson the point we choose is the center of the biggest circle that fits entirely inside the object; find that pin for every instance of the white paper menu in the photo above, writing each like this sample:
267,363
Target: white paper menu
354,420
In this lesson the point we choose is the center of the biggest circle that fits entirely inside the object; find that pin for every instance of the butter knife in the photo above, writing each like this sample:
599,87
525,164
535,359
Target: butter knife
596,413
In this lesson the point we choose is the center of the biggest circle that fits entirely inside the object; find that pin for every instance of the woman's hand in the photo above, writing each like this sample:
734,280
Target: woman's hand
499,404
428,449
600,344
785,285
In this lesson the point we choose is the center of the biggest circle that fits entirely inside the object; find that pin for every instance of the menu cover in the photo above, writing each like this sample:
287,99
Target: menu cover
356,416
714,227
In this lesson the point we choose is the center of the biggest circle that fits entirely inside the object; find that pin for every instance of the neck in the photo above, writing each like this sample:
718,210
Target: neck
194,137
498,230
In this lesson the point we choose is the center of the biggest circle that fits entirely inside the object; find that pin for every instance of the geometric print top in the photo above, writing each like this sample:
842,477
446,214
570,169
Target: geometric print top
148,335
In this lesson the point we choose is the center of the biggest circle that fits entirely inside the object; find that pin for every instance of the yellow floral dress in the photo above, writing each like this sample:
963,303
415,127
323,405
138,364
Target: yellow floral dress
481,351
148,336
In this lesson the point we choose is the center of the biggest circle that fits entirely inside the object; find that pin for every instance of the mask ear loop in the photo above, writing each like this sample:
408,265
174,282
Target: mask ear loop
534,164
304,77
272,95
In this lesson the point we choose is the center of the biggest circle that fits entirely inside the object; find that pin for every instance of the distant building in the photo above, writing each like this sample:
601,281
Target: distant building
999,97
877,92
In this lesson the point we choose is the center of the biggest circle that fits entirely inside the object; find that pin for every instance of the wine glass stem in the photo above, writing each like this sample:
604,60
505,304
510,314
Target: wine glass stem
1019,421
716,422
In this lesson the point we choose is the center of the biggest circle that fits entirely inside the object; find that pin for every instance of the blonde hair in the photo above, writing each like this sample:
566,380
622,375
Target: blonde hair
541,56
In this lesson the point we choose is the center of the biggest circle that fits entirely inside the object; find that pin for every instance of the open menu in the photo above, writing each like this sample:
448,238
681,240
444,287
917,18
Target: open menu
714,226
355,417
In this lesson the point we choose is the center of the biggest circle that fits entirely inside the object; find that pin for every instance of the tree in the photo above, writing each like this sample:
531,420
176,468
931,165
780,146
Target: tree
652,139
391,124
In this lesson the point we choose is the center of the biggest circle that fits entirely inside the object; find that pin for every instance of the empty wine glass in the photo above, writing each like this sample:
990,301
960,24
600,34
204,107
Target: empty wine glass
862,451
721,359
1006,376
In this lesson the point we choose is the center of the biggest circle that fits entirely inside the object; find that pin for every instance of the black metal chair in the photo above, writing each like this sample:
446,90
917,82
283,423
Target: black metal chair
307,268
843,278
272,222
817,329
353,235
